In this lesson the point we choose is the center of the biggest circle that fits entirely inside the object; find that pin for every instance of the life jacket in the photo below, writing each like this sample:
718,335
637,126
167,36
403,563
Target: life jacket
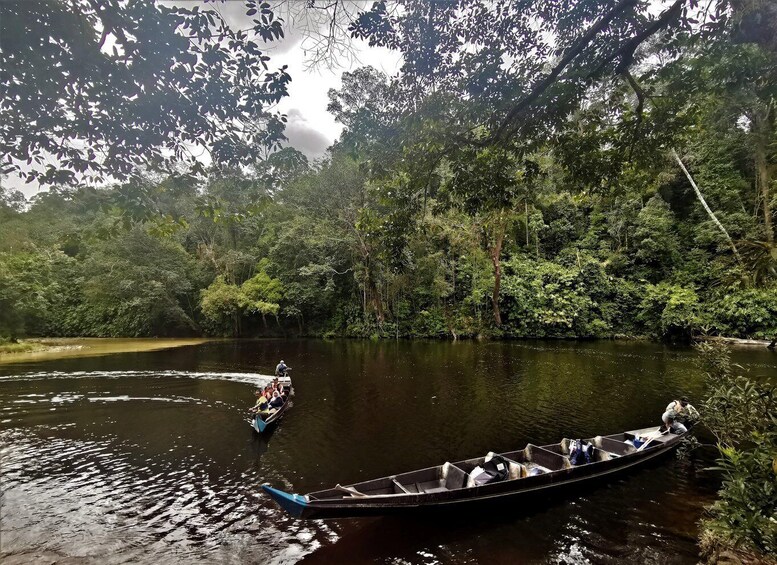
261,404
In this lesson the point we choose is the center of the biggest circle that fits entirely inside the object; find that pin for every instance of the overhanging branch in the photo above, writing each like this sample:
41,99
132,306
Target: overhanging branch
570,55
625,55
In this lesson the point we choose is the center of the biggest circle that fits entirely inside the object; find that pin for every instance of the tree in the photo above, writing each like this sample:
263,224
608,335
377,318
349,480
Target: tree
280,169
222,304
105,88
364,105
655,238
486,183
526,65
31,285
262,293
138,285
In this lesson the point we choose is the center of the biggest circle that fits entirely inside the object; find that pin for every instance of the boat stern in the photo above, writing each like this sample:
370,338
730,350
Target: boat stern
294,504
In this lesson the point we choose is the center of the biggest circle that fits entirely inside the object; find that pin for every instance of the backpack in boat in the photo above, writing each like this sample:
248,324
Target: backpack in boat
579,454
494,470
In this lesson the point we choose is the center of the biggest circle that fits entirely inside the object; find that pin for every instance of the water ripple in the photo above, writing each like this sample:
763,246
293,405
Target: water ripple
148,466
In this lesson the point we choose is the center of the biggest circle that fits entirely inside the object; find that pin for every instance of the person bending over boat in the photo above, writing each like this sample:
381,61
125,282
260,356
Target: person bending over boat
677,414
280,369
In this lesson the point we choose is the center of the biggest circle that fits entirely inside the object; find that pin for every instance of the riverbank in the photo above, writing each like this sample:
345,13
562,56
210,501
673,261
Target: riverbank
53,348
738,341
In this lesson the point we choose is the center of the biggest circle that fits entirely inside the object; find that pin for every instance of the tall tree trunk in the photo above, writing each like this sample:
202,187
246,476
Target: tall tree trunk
497,283
236,323
763,170
526,203
495,251
706,206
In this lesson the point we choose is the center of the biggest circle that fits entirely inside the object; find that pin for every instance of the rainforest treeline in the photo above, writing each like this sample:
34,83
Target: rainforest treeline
355,245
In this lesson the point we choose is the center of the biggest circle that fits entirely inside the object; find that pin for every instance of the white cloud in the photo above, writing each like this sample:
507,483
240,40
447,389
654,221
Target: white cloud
304,136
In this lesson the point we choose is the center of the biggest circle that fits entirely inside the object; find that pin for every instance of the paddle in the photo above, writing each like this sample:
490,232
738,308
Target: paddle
657,435
352,491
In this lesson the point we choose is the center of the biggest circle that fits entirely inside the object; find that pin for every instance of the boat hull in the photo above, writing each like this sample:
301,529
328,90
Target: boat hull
518,490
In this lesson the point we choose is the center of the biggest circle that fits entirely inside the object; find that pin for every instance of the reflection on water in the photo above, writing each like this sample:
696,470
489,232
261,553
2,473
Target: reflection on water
145,457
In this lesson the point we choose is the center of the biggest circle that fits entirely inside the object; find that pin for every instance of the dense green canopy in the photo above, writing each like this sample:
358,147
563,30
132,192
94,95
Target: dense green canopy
515,178
542,169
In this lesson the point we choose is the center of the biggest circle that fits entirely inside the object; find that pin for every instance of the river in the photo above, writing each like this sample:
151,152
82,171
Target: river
146,457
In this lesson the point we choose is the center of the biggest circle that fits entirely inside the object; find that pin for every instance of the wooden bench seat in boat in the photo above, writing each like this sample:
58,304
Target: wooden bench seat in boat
533,456
613,447
451,478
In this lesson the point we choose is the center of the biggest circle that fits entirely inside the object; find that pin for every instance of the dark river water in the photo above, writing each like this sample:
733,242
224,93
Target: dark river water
148,458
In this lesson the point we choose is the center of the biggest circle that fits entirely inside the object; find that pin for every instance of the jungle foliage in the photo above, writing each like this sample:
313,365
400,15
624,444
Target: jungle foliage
742,414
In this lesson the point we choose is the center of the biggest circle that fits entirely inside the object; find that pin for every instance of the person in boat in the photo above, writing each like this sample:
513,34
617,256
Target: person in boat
268,395
679,413
261,408
280,369
276,401
673,426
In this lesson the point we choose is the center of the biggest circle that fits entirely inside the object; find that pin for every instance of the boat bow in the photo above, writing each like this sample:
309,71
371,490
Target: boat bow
294,504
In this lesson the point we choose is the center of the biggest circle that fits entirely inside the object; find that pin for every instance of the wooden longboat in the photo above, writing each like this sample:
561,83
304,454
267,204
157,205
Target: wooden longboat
261,426
534,470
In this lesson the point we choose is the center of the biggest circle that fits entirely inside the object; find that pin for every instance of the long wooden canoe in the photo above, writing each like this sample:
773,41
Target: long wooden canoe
260,425
532,470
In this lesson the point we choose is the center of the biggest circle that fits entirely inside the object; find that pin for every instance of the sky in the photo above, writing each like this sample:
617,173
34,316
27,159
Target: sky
310,128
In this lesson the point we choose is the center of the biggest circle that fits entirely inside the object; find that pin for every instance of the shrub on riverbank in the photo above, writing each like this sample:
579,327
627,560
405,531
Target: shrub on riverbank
742,414
750,313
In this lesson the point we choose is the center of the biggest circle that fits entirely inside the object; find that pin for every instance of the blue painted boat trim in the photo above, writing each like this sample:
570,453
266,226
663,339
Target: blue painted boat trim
294,504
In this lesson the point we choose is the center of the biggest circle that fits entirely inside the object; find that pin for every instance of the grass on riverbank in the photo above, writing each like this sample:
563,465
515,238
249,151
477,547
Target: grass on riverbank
49,348
21,347
40,345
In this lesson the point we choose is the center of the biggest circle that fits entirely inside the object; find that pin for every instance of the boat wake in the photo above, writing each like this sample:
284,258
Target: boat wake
247,378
